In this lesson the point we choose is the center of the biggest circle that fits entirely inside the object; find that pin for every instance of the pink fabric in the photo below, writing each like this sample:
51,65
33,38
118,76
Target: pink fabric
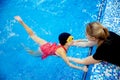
49,49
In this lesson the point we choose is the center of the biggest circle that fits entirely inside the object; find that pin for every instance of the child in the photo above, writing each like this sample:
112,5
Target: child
46,49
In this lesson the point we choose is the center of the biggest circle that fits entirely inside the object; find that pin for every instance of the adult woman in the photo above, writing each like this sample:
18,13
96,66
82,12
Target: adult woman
108,45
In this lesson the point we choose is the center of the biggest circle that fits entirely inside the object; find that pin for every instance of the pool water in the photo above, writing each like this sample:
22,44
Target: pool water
47,18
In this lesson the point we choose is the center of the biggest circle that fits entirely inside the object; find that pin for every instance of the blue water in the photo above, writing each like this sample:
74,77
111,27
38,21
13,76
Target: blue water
48,18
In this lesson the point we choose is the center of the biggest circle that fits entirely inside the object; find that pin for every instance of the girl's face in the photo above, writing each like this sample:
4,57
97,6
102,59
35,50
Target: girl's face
70,40
70,43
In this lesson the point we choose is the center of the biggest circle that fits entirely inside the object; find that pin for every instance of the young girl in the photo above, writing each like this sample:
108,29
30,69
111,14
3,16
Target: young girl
46,49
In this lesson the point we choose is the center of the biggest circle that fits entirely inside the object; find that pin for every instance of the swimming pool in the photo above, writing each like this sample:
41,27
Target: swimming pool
47,18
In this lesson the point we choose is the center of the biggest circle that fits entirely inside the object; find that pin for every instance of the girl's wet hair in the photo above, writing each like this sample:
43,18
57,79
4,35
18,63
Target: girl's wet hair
63,38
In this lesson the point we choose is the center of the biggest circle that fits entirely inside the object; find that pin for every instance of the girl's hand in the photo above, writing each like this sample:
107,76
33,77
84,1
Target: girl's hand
18,18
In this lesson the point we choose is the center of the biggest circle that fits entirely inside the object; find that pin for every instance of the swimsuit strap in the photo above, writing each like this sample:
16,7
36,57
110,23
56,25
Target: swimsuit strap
63,47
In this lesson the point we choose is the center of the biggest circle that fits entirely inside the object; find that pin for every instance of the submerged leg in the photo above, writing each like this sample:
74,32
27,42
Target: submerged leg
32,52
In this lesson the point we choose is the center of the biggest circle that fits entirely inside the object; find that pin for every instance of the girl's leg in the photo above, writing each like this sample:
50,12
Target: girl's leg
37,53
32,52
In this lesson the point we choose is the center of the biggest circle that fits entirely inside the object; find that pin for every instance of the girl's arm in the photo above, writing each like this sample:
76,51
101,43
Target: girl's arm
29,31
62,54
86,61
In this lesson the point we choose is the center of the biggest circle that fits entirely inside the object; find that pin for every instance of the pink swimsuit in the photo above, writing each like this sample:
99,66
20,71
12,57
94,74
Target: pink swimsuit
49,49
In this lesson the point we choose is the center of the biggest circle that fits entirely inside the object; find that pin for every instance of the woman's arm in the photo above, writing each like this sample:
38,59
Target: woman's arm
83,43
80,40
29,31
86,61
64,57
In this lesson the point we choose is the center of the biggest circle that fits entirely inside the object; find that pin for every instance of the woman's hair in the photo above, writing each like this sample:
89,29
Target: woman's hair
63,38
95,29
